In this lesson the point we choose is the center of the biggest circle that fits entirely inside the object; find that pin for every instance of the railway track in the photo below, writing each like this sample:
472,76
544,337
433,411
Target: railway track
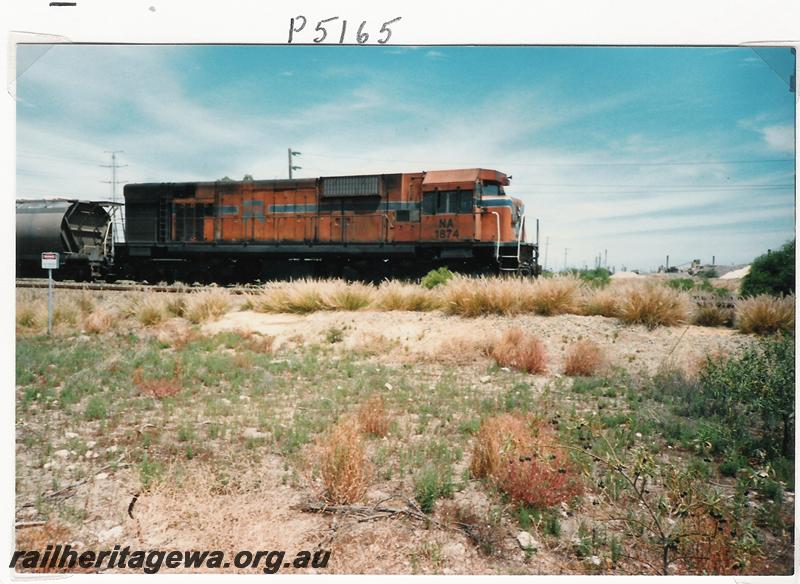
129,287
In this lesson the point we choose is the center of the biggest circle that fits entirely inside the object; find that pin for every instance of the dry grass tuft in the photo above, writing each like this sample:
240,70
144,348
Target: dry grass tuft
161,387
394,295
373,419
584,359
31,315
85,303
149,309
344,466
549,296
765,314
522,457
653,305
99,321
176,334
601,302
175,304
341,295
38,537
470,297
65,312
709,313
499,438
301,297
520,350
207,305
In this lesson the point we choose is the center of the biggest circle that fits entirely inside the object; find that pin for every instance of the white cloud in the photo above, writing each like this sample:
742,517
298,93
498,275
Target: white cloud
779,138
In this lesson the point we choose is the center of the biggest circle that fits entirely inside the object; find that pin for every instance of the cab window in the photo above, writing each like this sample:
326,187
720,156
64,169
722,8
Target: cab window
492,190
444,202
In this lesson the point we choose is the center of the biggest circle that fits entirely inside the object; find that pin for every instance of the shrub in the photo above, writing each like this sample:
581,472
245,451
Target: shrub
680,284
343,464
758,384
597,277
99,321
393,295
520,350
161,387
653,305
584,359
207,305
771,273
601,302
96,408
372,416
709,313
765,314
432,483
436,277
497,439
522,457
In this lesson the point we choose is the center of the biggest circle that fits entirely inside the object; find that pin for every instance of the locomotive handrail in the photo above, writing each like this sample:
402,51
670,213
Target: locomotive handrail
497,248
519,239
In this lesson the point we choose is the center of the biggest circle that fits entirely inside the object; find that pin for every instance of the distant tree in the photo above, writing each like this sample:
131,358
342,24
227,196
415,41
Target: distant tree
226,178
771,273
248,177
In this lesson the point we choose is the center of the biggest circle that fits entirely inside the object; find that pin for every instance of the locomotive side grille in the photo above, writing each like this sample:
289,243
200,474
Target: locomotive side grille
352,186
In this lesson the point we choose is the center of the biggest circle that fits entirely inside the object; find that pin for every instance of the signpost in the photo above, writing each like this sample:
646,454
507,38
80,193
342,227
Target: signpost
50,262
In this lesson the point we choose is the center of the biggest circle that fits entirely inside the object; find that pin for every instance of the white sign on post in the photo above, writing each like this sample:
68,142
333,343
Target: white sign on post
50,262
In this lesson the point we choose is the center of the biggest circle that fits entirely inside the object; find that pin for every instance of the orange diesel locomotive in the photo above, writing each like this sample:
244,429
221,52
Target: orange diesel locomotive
368,227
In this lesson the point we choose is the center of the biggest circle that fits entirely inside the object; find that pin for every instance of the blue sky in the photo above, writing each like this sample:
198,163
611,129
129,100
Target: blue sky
638,151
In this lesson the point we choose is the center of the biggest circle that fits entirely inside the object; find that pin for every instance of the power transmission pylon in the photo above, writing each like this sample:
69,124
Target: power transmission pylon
117,211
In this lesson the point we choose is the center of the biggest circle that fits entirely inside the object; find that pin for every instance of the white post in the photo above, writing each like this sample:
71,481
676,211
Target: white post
50,302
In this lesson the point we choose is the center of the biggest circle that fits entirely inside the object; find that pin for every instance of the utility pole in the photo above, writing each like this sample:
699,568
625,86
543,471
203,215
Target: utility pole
292,154
565,258
116,211
605,258
546,245
667,268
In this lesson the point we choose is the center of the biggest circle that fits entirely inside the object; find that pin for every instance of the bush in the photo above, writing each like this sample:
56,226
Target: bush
99,321
653,305
771,273
680,284
344,464
522,457
597,277
436,278
373,418
584,359
765,314
520,350
709,313
757,385
433,483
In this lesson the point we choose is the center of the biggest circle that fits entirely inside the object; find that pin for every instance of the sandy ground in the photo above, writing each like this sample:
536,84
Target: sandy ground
421,335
